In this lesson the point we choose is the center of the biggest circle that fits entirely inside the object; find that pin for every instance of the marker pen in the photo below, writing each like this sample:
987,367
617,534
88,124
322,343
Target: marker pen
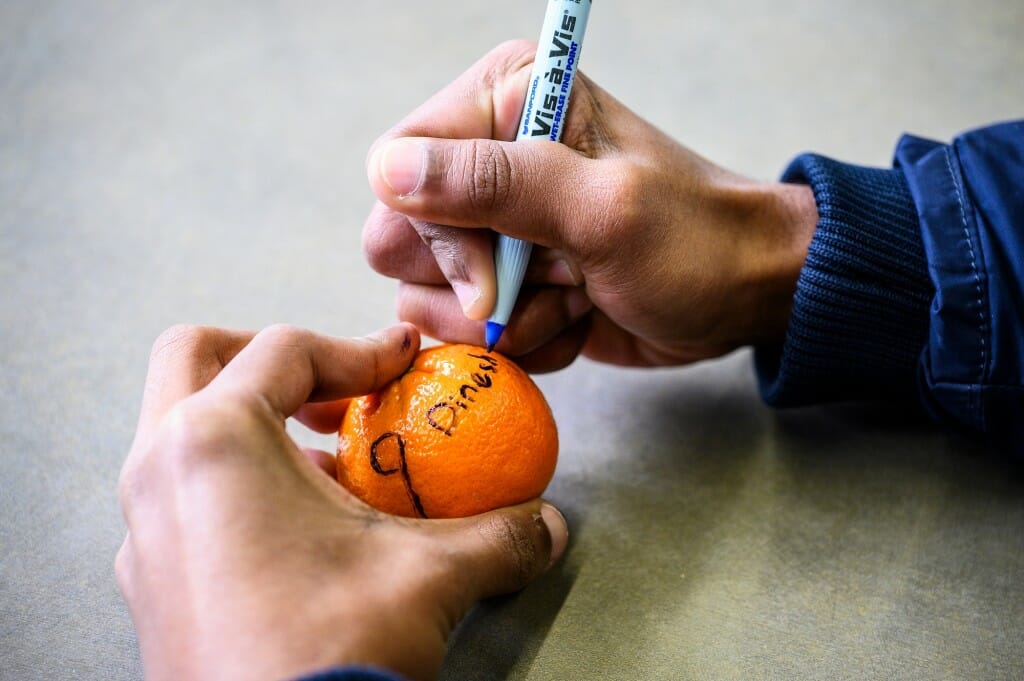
547,101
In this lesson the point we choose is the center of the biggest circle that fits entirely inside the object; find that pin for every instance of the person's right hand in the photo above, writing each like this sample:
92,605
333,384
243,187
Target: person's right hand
649,254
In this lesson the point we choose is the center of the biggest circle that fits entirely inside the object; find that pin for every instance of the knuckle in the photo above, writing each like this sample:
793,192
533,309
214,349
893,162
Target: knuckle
180,340
183,432
131,486
193,436
284,335
434,235
518,543
283,331
629,196
490,181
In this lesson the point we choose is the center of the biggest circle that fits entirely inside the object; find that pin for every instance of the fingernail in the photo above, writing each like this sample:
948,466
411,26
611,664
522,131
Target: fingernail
577,303
557,528
379,336
391,333
403,165
468,295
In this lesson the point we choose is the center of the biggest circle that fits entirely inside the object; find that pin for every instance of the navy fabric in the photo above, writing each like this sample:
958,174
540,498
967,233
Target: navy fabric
970,199
864,271
352,674
860,311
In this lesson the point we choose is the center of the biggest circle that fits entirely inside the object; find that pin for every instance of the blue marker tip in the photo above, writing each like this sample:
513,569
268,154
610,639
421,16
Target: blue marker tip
547,100
492,334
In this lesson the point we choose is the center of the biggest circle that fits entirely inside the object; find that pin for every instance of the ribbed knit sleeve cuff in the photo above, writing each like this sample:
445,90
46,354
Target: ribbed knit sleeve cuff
860,312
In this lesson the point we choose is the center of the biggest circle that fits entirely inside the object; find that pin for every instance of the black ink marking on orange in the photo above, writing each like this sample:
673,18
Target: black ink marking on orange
489,363
403,468
375,460
436,412
443,416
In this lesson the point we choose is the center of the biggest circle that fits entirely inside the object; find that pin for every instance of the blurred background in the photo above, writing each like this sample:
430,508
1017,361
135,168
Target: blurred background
203,162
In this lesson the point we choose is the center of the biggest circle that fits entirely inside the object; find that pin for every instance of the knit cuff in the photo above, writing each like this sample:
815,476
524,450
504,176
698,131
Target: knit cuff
860,312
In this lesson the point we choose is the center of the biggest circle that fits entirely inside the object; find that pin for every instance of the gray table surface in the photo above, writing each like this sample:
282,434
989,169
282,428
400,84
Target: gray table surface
164,162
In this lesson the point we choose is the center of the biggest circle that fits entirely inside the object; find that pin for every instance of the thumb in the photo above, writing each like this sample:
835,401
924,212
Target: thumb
504,550
528,190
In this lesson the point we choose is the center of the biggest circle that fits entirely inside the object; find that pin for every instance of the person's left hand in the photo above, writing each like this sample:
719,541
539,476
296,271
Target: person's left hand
245,559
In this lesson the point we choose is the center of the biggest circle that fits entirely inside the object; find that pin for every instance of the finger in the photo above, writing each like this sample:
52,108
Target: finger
609,343
323,417
532,191
184,359
540,315
394,248
485,101
287,366
559,352
502,551
325,461
466,258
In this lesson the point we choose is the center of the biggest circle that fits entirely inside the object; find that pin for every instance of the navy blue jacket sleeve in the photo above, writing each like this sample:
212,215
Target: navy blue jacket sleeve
351,674
914,285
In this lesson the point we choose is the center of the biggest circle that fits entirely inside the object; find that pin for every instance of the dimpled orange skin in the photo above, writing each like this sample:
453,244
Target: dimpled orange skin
462,432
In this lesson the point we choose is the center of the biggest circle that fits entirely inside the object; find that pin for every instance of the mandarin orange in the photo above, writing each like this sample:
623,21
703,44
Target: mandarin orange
462,432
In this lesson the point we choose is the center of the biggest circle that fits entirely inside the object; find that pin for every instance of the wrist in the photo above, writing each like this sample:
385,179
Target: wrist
860,312
776,223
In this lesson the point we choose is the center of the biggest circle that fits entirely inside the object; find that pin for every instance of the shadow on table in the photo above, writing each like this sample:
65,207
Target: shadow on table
885,440
604,501
868,512
503,634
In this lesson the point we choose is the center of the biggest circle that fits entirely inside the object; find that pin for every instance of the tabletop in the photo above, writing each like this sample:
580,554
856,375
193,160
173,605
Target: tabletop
204,162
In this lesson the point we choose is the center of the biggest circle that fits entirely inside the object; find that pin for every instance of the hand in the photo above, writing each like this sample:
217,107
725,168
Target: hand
650,255
245,559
